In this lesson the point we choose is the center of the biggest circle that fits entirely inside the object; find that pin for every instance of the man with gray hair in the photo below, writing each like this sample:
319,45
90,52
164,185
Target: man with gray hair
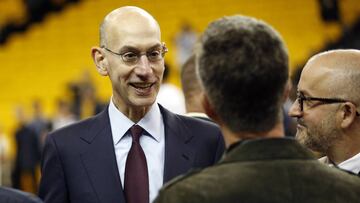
327,108
243,66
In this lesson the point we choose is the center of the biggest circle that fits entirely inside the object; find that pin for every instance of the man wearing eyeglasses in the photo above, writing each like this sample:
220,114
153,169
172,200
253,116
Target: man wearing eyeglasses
327,107
128,151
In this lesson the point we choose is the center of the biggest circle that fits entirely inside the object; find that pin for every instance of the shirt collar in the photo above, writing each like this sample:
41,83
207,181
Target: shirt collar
152,122
352,164
120,124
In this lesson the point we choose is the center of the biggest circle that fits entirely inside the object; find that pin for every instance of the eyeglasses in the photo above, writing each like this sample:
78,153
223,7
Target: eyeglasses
301,98
153,55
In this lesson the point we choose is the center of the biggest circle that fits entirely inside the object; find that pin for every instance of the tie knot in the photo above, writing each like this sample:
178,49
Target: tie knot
136,131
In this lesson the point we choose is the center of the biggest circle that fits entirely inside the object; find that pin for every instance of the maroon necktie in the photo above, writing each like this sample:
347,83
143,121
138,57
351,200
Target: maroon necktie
136,182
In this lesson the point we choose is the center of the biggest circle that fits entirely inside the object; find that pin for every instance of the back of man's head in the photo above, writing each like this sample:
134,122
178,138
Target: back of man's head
243,66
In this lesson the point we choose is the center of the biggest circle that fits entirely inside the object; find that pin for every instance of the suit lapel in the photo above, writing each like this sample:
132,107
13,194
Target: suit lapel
99,160
179,155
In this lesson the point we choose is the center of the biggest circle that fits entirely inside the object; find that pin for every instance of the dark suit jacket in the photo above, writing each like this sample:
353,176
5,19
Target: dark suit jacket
9,195
264,170
79,163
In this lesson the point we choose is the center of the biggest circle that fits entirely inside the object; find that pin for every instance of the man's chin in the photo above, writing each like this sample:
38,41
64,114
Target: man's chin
304,139
143,102
301,137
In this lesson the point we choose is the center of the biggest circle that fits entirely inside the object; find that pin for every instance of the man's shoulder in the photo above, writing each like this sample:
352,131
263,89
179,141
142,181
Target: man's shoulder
82,127
232,180
176,186
17,196
203,185
86,128
205,130
181,178
197,122
194,124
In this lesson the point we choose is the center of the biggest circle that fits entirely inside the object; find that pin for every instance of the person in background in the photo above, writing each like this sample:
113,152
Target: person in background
185,41
170,96
192,90
64,115
5,158
38,123
27,158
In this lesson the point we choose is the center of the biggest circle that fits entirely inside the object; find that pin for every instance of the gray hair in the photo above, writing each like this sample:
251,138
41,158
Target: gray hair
243,66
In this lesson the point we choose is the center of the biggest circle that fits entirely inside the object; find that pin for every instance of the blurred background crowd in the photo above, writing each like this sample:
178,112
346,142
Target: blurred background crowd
48,80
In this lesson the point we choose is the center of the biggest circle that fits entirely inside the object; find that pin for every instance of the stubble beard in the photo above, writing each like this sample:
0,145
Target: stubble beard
321,137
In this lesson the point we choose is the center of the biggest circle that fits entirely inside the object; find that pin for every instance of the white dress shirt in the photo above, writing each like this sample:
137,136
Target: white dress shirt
352,164
152,142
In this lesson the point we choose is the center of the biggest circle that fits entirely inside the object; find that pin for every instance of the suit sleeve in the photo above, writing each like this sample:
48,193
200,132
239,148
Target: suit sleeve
220,147
52,184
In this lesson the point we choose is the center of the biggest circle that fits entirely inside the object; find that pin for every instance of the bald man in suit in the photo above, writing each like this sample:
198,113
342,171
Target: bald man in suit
89,161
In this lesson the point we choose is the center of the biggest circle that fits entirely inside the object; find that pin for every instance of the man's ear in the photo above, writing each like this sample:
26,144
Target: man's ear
208,108
348,114
99,60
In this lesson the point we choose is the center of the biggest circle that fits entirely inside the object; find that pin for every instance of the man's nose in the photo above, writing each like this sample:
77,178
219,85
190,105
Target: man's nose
295,110
144,65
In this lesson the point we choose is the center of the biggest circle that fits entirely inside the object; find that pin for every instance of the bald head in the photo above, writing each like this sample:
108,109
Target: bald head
340,59
126,20
336,73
